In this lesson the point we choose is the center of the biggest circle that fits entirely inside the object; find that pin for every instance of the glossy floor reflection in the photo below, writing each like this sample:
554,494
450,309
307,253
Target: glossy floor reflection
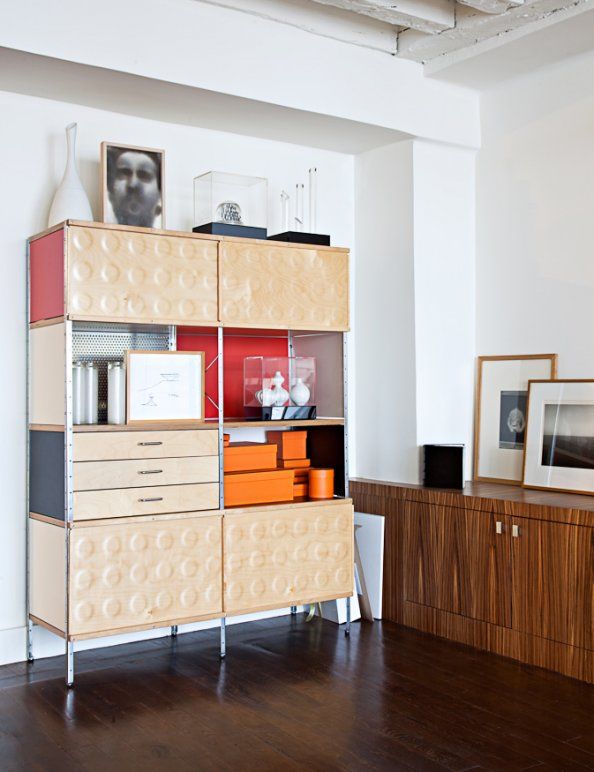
294,695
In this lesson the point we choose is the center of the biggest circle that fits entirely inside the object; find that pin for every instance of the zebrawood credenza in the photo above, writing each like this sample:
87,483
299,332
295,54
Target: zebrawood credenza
497,567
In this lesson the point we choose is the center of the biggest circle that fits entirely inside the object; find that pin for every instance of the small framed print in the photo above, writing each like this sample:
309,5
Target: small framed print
164,386
501,410
560,436
132,185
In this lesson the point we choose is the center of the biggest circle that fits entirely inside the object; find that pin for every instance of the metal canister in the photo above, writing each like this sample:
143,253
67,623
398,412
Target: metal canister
90,411
78,378
116,393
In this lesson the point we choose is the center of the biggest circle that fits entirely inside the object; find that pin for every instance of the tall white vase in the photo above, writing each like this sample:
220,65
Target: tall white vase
70,200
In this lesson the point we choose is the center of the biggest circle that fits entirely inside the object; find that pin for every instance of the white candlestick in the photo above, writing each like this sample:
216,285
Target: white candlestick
313,194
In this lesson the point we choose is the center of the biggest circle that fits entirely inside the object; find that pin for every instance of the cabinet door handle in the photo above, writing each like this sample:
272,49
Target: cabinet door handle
499,527
150,471
515,531
155,498
145,444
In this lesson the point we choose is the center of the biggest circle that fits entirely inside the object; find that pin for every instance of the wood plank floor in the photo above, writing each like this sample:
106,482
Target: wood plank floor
294,695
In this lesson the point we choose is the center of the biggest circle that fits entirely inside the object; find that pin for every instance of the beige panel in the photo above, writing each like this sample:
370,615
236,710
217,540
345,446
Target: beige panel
47,375
126,502
101,475
137,574
141,277
48,573
276,557
281,287
105,446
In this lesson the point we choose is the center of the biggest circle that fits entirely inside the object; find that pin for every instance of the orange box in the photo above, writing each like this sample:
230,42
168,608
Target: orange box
291,444
321,483
226,440
245,488
301,475
300,490
249,457
294,463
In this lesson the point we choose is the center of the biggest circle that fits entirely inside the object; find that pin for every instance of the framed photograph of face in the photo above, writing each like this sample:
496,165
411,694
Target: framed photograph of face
164,386
132,185
501,409
560,436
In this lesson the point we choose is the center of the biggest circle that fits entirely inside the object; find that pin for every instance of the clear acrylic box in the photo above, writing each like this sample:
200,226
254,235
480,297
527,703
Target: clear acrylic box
230,199
279,381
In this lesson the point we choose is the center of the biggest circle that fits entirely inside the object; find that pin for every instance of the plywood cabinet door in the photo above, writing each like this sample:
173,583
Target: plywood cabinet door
282,287
127,276
456,560
553,581
276,558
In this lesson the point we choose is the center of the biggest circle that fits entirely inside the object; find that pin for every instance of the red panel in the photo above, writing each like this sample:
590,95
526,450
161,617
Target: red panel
235,349
46,260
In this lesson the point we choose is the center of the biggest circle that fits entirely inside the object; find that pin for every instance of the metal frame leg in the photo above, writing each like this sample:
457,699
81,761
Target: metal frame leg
223,639
30,657
69,663
347,629
293,610
174,631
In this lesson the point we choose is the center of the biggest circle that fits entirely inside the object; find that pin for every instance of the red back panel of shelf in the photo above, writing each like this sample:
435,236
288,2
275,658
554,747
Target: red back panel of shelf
236,348
46,260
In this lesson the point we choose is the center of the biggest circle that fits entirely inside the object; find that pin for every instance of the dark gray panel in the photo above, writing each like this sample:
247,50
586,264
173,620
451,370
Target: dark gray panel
46,473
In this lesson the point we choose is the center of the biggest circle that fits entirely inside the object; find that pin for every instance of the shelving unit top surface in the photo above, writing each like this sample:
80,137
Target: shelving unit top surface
210,423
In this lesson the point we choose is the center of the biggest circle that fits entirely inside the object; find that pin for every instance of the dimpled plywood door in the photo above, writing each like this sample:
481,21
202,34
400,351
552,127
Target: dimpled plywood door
143,573
284,287
280,557
127,276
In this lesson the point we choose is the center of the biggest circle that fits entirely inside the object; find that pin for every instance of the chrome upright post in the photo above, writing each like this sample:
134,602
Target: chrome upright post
69,663
223,641
29,640
347,629
174,631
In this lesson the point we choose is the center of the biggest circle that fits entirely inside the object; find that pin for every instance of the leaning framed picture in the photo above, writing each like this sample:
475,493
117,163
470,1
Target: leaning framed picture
500,420
164,386
132,185
560,436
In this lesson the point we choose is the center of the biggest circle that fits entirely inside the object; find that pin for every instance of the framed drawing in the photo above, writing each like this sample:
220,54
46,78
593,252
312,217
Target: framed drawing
132,185
560,436
500,420
164,386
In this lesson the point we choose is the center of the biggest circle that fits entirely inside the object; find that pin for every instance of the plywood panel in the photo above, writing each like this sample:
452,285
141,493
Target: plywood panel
137,574
104,446
102,475
46,264
126,502
276,557
141,277
47,375
48,573
279,287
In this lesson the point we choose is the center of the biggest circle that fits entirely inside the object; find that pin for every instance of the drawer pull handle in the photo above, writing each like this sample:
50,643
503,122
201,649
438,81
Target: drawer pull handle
516,531
155,498
144,444
499,527
150,471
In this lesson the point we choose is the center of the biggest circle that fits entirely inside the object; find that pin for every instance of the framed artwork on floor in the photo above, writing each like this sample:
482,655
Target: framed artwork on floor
501,409
164,386
560,436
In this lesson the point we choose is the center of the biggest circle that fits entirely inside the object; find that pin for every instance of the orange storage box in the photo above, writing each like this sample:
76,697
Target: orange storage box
321,483
291,444
249,457
300,490
294,463
246,488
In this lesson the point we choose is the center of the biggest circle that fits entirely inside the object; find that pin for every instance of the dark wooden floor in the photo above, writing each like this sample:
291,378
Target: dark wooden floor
294,695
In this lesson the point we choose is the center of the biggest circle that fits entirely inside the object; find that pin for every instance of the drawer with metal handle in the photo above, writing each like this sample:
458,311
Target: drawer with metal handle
121,445
154,500
104,475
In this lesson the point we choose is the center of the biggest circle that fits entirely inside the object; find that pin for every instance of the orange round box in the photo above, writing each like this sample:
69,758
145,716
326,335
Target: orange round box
321,483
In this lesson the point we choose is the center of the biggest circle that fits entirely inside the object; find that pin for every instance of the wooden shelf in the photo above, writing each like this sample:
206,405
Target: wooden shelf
162,426
276,424
286,505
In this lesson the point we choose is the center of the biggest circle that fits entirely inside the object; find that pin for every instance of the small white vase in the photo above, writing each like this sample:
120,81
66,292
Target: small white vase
280,395
265,397
300,393
70,200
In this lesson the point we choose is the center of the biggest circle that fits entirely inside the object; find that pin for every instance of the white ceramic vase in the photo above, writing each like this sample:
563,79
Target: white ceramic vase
265,397
70,200
300,393
280,395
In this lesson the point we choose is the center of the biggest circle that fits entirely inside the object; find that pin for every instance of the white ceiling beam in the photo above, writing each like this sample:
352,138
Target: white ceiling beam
424,15
478,28
491,6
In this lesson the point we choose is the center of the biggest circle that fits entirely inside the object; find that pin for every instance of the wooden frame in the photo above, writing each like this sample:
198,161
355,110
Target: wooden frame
546,487
477,422
153,421
103,195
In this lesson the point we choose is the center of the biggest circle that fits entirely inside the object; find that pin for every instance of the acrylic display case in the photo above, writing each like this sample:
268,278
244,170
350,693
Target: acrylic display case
230,205
278,382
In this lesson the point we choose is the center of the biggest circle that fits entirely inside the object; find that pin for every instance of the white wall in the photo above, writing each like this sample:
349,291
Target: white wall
32,155
535,218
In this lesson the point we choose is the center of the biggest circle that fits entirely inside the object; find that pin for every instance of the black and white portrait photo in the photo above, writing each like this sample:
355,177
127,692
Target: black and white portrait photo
512,419
132,185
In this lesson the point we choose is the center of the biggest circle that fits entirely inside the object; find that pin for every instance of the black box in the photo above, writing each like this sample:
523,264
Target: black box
286,413
298,237
444,466
228,229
